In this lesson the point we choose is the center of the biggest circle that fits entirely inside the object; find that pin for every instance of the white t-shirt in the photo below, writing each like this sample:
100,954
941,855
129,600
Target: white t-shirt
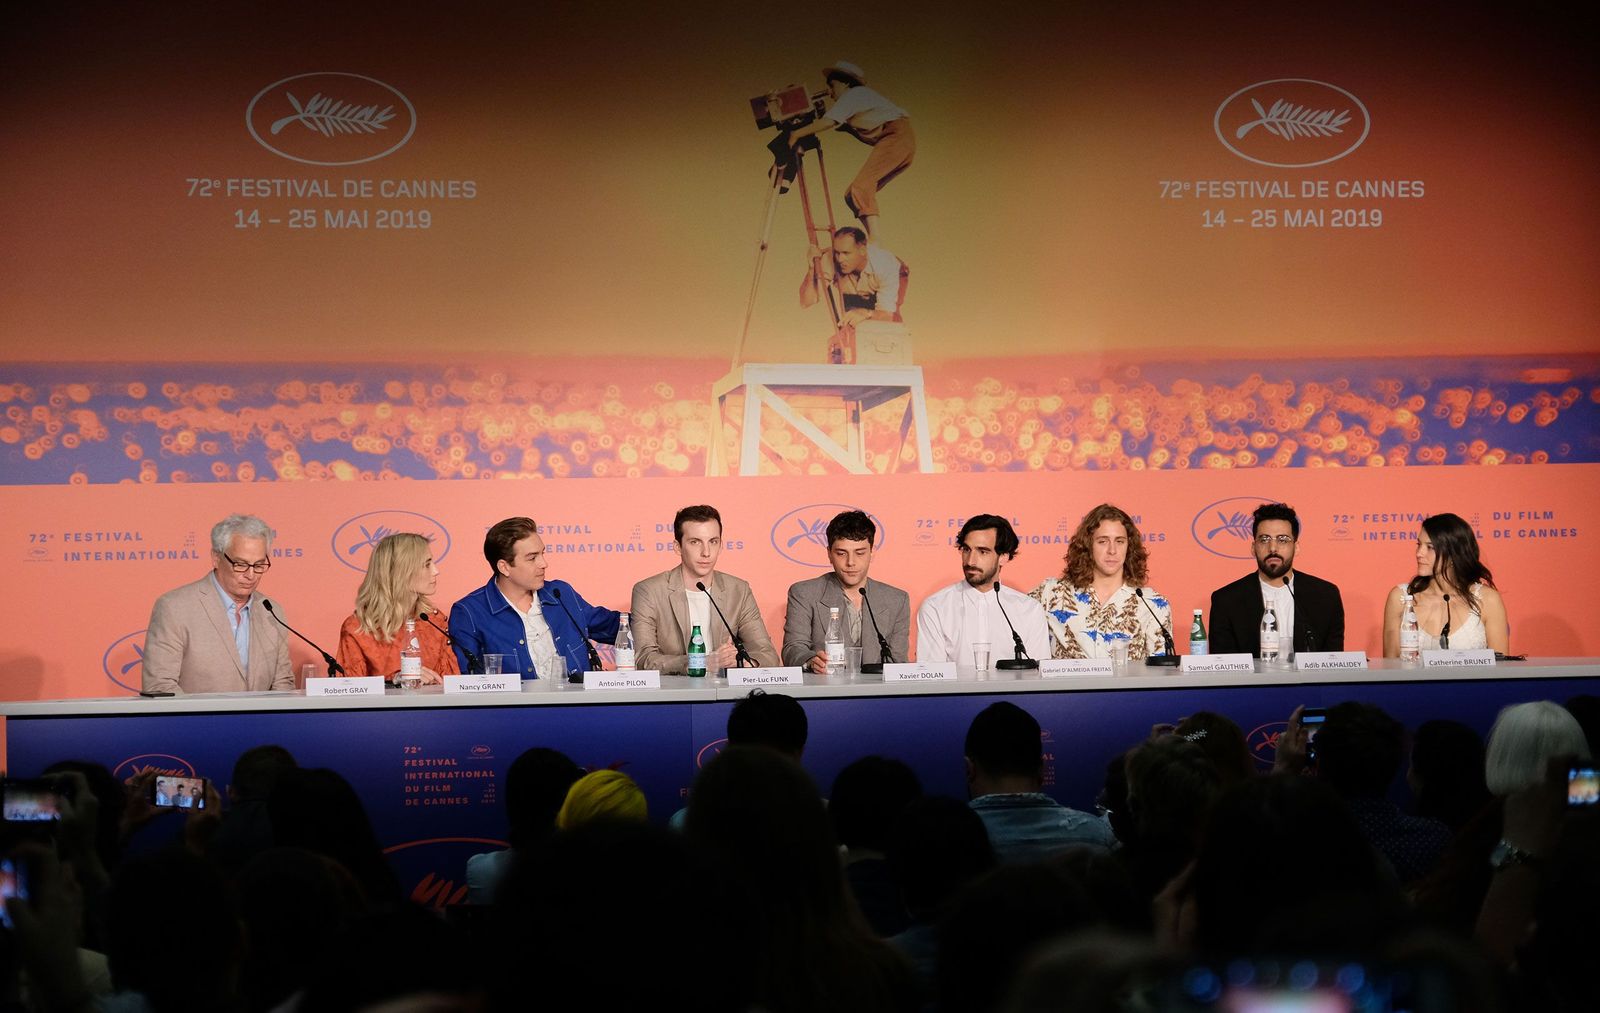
862,109
954,618
1282,601
541,642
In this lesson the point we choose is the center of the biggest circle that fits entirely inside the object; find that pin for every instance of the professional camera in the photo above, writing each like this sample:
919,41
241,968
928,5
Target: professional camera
787,108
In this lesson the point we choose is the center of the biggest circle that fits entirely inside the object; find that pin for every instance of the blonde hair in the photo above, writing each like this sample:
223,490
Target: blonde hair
602,795
385,600
1523,741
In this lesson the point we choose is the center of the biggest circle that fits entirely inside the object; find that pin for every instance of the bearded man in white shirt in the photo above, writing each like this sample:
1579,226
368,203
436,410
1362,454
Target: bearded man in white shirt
979,609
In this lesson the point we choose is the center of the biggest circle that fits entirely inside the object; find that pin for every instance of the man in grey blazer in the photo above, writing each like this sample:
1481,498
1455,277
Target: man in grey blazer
887,610
668,606
214,636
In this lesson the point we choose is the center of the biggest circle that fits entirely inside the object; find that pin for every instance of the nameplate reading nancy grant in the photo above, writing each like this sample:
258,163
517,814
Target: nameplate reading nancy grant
1318,661
360,685
1455,659
920,671
1057,668
1208,663
788,676
649,678
511,683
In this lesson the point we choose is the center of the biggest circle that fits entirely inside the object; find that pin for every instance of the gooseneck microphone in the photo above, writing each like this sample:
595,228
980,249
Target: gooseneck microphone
886,655
334,668
1169,659
594,655
741,657
474,663
1021,662
1311,637
1444,633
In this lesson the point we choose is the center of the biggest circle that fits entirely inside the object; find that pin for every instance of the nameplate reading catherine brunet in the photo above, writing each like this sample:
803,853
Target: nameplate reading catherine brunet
1458,659
329,204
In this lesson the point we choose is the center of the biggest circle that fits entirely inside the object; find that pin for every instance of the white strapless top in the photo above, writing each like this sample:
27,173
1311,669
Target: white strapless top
1467,635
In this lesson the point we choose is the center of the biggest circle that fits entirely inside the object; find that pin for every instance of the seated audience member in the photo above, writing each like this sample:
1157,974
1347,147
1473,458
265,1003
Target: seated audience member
173,935
520,614
399,585
979,609
769,720
1556,964
1284,868
1524,739
397,958
214,635
536,787
1222,741
1095,603
937,846
1446,775
866,799
1005,779
245,829
1308,607
776,880
1097,971
1171,788
318,810
668,606
1453,593
296,908
805,620
602,795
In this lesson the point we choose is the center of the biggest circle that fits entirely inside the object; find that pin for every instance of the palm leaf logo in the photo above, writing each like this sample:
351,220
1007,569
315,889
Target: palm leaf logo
1289,122
328,117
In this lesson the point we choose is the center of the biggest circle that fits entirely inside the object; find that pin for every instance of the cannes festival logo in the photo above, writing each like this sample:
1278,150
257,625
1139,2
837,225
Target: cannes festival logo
801,535
1263,742
161,763
1292,123
354,540
124,661
432,864
1223,527
331,118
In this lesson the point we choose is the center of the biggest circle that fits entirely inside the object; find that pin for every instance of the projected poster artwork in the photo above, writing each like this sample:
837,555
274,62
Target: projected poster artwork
497,260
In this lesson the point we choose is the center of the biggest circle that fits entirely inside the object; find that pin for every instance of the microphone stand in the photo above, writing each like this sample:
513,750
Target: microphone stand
1311,637
334,668
884,654
474,663
741,657
594,655
1444,632
1021,662
1169,659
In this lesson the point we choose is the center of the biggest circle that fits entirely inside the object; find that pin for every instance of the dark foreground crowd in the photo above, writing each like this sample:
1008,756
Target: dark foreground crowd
1200,883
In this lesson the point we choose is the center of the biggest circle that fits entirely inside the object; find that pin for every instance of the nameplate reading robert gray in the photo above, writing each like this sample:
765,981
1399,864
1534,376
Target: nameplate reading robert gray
788,676
1210,663
920,671
511,683
639,679
360,685
1458,659
1317,661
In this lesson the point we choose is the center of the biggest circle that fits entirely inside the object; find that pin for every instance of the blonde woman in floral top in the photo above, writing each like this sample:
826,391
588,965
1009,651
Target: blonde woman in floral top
1095,601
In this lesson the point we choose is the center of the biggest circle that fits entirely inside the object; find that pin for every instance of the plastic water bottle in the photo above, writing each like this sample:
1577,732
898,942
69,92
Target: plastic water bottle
835,642
1199,643
1410,631
623,645
1269,634
410,657
697,654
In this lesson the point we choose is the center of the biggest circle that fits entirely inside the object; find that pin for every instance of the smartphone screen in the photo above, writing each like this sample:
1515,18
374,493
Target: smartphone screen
1313,716
13,883
1583,786
31,801
179,792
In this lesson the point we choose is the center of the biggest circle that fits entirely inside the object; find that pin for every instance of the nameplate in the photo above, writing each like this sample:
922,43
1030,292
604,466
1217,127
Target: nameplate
649,678
1208,663
788,676
1058,668
505,683
1457,659
920,671
360,685
1319,661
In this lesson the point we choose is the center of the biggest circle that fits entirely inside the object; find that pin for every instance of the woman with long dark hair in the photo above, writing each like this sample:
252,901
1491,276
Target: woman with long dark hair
1452,592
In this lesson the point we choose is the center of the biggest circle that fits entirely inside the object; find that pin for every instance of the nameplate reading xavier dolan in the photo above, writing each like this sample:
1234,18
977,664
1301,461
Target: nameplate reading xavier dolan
920,671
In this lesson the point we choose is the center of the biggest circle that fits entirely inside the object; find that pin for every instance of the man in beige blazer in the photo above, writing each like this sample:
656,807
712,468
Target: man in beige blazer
851,536
215,636
666,606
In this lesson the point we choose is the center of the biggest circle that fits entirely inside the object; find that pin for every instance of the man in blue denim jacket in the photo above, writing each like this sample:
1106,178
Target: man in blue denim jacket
522,615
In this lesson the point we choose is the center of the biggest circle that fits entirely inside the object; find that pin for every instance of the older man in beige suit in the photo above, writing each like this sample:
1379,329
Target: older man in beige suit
668,606
214,636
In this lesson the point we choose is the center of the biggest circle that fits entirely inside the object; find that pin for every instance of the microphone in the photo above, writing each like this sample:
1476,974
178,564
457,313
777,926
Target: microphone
334,668
1444,634
1311,637
594,655
740,655
474,663
1169,659
884,654
1021,661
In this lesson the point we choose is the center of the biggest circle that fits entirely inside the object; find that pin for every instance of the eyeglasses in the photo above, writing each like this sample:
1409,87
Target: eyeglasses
238,567
1279,540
